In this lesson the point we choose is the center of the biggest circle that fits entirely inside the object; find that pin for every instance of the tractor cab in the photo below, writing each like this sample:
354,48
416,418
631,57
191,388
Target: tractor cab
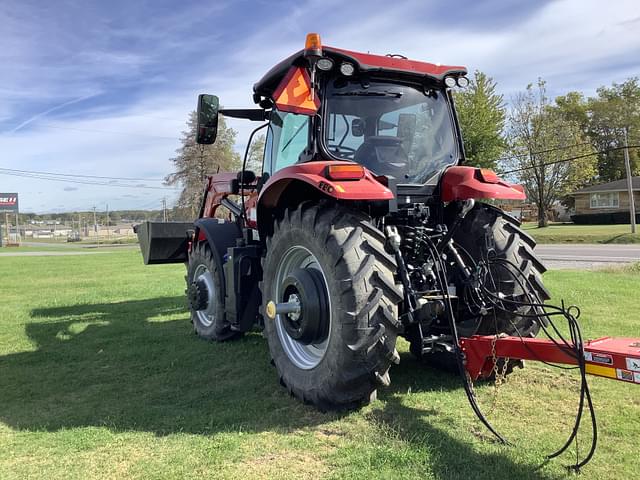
393,116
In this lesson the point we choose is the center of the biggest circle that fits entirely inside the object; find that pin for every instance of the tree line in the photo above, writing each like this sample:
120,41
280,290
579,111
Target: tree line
551,146
527,138
86,217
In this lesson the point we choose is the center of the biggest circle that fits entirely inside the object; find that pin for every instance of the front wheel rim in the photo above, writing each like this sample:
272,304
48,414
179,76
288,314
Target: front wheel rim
301,355
206,316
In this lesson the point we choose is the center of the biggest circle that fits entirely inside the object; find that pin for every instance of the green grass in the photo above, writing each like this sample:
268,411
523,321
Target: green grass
35,248
101,377
71,247
571,233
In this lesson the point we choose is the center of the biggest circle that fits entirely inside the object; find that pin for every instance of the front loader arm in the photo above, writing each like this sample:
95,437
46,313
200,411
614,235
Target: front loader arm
218,188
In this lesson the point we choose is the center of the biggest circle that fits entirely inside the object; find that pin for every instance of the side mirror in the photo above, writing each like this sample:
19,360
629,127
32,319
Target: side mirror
246,177
243,181
357,127
208,106
384,125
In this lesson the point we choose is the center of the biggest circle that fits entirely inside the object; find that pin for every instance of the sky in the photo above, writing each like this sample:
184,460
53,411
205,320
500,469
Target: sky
103,89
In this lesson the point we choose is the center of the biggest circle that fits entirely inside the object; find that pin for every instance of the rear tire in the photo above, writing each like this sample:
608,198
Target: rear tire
343,369
486,223
209,323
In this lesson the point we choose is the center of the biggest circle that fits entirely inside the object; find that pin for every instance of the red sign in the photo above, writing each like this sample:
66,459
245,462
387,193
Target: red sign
8,202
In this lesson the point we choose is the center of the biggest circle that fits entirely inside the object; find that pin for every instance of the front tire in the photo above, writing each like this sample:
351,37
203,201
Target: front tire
206,293
353,346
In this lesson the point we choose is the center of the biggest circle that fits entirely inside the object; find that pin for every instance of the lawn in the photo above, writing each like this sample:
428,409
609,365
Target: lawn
571,233
65,247
101,377
35,248
132,239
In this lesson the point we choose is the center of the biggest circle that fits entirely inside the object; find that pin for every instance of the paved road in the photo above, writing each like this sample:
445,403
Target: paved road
587,256
553,256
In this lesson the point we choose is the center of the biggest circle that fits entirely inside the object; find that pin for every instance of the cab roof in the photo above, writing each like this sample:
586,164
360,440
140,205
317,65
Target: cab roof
364,63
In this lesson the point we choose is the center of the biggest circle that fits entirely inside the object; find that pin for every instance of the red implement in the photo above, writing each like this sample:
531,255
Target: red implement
617,358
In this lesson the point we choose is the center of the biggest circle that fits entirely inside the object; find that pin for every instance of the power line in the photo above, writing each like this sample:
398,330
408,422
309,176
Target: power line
554,149
80,176
82,182
567,159
110,132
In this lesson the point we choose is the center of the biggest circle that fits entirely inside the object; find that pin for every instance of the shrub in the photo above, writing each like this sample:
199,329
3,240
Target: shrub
605,218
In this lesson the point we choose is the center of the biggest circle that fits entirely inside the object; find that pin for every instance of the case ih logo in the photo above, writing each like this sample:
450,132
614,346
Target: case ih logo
8,202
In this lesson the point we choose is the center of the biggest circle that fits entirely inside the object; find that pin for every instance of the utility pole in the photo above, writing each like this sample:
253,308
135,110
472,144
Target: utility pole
164,209
6,226
108,230
95,225
627,166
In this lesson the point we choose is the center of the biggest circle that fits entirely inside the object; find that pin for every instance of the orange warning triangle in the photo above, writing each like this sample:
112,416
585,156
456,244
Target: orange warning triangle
294,93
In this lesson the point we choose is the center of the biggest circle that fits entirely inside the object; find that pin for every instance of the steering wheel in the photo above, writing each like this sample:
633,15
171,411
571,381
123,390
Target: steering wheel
343,151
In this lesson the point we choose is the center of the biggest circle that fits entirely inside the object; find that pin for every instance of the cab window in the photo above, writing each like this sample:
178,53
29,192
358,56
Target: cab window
287,138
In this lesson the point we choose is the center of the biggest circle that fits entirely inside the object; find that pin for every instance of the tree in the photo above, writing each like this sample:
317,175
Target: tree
614,110
256,153
114,217
541,136
574,107
481,114
194,162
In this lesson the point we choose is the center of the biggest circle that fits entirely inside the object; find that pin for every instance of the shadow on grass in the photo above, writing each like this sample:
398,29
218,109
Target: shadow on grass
136,365
132,366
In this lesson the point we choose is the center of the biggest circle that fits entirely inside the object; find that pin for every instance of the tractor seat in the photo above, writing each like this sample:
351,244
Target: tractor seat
383,155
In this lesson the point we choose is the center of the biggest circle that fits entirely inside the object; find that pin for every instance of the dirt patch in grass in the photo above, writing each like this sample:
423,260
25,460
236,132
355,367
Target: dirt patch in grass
284,464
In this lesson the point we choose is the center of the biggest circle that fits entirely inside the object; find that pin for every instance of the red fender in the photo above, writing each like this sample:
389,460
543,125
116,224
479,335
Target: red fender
313,173
464,183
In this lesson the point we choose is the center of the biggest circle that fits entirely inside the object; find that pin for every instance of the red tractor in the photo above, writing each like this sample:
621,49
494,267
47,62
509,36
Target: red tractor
363,225
338,245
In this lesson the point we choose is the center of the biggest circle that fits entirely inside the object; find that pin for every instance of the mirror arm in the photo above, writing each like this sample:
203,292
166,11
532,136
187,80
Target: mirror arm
253,114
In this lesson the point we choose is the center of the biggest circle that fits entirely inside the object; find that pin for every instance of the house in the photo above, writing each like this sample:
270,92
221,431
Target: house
111,231
47,232
606,203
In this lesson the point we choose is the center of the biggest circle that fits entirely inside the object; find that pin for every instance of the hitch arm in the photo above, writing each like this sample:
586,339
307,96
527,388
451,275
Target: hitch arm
616,358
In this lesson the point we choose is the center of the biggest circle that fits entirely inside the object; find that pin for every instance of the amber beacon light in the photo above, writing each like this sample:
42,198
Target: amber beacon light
313,45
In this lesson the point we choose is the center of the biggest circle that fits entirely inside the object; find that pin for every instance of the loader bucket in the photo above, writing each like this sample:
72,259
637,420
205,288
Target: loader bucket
163,242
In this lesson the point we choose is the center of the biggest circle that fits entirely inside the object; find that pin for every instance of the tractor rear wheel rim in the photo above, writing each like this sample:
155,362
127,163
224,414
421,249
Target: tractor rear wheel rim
206,316
303,356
